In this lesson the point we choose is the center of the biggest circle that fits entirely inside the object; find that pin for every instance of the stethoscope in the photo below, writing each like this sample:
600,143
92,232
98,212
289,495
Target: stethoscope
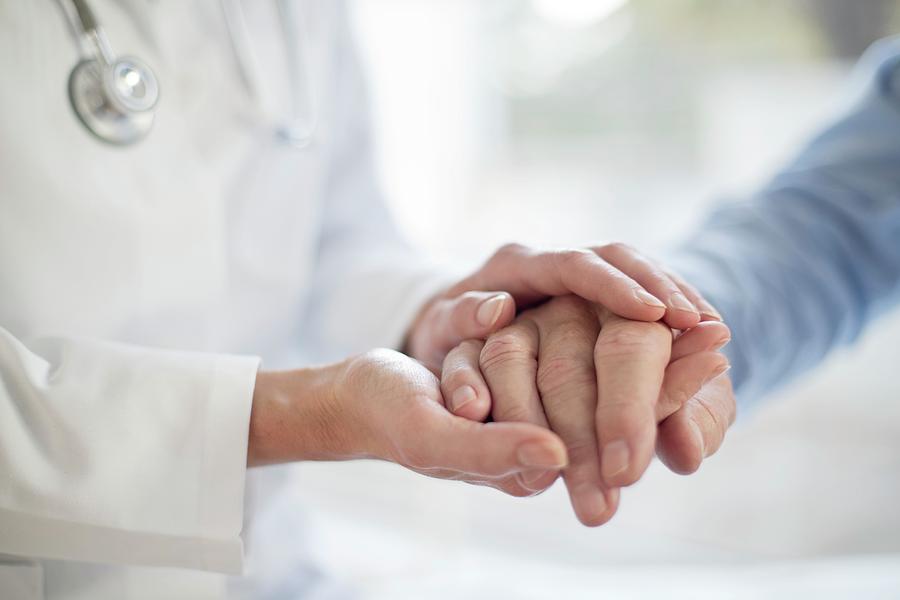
116,97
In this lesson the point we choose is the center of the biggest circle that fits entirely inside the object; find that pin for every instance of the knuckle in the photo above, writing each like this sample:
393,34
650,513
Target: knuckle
574,334
689,288
678,397
559,372
680,281
626,420
572,309
570,256
504,348
582,449
673,274
465,353
515,412
453,376
631,338
657,278
366,368
618,247
470,348
511,249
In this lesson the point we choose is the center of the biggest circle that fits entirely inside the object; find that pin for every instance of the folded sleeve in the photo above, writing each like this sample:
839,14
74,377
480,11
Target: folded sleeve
805,264
121,454
368,283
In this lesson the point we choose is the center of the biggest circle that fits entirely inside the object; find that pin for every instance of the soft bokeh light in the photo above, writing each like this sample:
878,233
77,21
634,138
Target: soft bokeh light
576,12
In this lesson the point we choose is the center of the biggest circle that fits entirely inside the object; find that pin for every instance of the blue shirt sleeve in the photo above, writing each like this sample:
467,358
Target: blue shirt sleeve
802,266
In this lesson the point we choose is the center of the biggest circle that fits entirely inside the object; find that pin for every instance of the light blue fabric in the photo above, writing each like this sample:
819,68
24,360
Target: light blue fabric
805,264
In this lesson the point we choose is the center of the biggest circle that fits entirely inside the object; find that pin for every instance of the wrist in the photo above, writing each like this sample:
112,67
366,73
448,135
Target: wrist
296,415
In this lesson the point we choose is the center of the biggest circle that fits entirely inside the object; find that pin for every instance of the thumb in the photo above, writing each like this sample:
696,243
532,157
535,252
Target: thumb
489,449
449,321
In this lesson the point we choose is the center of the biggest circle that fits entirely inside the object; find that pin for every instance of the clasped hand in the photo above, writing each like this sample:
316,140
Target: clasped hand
572,369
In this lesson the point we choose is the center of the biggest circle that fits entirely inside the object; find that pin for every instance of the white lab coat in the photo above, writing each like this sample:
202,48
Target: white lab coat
141,286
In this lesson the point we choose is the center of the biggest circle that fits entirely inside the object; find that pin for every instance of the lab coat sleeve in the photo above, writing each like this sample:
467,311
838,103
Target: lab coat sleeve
800,268
368,284
120,454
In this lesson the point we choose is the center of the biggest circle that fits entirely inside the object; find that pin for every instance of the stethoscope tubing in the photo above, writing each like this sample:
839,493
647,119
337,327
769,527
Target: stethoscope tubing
96,82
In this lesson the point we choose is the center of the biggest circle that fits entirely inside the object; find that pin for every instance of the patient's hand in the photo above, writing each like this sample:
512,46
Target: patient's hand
611,388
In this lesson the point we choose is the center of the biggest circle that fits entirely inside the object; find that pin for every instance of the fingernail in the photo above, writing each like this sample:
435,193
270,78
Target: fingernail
541,456
461,397
490,310
530,477
707,310
615,459
679,301
592,506
698,438
719,371
721,343
649,299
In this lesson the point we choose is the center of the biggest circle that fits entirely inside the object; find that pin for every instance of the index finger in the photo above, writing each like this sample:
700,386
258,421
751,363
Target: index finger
630,359
533,275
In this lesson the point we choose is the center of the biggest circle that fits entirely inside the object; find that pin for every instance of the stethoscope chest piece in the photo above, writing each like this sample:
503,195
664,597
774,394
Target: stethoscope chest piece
114,101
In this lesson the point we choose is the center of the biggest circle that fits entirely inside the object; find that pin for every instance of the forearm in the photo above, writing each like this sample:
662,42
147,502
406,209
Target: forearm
809,260
796,272
297,415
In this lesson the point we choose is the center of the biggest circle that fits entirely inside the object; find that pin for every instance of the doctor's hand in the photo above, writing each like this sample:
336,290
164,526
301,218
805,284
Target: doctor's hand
515,277
385,405
612,388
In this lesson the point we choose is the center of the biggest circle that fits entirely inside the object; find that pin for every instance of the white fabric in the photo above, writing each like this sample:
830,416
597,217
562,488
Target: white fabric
21,580
142,285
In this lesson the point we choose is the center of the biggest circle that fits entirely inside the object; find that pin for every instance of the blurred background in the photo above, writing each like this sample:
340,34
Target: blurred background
567,121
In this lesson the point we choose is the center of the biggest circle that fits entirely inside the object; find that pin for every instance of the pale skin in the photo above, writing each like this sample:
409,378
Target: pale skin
535,376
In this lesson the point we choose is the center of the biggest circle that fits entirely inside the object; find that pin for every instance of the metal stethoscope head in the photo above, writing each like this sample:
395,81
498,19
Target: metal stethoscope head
113,96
